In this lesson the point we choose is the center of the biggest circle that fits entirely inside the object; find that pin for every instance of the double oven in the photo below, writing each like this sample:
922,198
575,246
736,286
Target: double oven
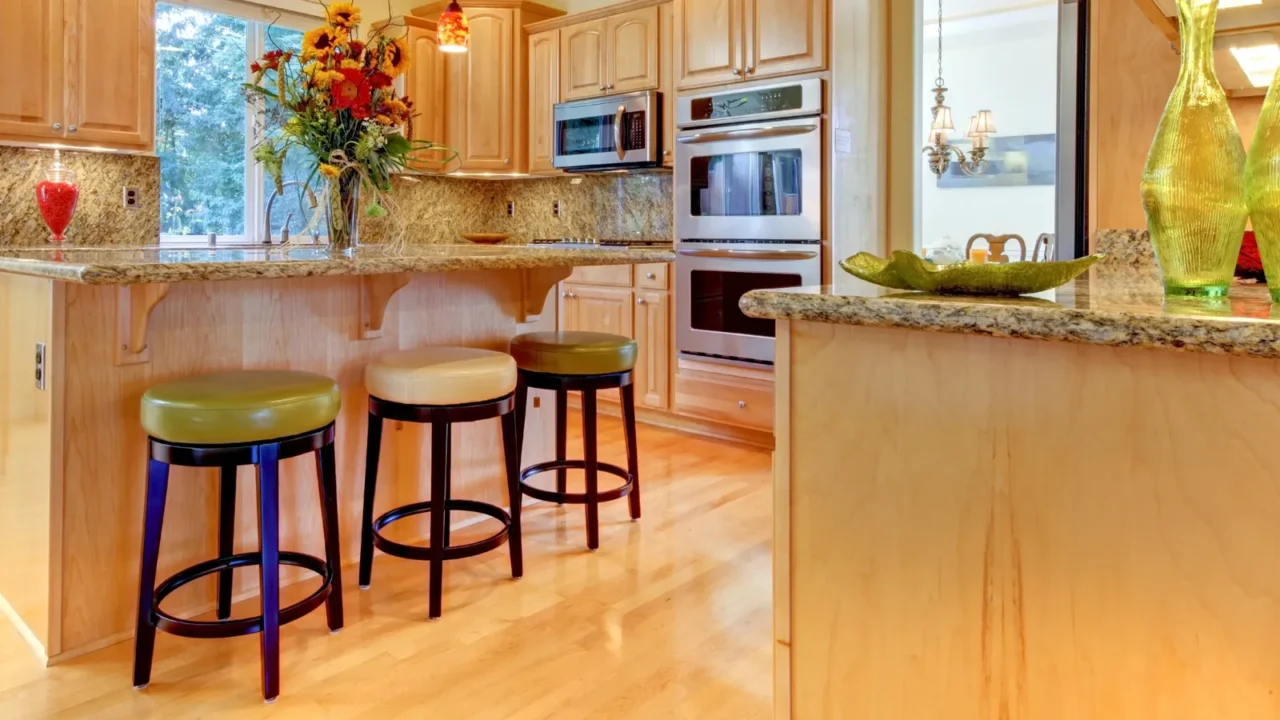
748,211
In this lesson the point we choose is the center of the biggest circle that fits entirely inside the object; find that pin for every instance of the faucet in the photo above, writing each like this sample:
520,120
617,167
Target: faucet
266,230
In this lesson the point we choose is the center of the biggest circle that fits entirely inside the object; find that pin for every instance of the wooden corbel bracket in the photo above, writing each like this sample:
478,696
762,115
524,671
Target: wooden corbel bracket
375,292
134,305
536,283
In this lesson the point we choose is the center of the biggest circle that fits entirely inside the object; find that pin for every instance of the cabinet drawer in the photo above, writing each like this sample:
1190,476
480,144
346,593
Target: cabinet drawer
619,275
652,276
743,404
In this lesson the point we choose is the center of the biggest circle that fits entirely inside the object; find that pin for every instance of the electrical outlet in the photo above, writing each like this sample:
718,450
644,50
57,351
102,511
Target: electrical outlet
558,208
511,208
131,199
40,366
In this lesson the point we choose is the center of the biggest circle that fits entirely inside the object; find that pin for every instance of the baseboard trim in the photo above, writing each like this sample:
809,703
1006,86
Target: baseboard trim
701,427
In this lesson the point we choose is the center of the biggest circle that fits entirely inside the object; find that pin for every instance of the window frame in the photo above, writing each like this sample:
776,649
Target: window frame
258,20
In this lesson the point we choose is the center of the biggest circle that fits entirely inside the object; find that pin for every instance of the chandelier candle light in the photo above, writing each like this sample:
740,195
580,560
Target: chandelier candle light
453,32
981,126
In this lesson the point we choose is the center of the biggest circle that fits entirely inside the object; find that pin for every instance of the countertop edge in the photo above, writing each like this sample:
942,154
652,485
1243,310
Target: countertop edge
1199,334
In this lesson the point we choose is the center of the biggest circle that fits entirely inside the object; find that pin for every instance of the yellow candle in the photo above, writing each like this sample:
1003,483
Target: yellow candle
978,256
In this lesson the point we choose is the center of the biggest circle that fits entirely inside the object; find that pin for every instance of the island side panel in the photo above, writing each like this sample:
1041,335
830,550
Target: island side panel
987,528
304,324
26,429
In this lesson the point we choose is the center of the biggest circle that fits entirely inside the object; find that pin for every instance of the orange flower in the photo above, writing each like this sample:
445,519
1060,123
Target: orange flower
322,42
352,92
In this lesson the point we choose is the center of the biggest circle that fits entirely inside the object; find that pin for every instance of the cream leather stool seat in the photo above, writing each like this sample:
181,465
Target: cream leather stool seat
441,376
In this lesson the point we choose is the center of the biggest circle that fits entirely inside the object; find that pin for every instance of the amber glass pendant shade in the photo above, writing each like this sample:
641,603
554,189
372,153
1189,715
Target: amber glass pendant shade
1193,188
453,32
1262,186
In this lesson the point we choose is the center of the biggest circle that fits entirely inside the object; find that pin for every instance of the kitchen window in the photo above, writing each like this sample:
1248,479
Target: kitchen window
209,182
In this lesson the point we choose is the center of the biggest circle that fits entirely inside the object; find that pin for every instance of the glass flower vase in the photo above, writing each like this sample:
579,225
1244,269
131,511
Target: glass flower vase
1193,188
342,212
56,196
1262,186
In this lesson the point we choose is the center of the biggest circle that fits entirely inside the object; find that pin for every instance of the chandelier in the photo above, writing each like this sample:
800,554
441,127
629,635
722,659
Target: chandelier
939,151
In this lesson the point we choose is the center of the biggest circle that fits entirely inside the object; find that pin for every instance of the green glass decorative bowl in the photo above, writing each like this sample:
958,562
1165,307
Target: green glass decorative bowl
907,271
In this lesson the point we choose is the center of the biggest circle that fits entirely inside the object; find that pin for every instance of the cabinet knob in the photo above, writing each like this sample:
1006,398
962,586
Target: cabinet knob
603,88
737,71
564,295
751,70
72,128
57,126
506,161
640,301
650,276
742,404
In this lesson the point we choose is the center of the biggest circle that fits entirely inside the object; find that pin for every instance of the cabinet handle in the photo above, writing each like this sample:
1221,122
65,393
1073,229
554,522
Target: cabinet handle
650,276
72,128
603,88
737,72
57,126
742,404
751,70
506,161
640,301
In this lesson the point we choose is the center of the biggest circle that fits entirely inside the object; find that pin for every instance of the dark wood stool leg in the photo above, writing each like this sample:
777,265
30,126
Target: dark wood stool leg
145,637
269,570
562,437
439,519
522,400
633,455
448,491
226,535
372,453
328,481
513,487
592,468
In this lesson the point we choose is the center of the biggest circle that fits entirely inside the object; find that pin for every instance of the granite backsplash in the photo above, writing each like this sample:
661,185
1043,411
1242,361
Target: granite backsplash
101,218
426,210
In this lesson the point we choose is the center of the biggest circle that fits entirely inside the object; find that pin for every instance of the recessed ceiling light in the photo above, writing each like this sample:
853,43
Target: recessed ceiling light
1259,62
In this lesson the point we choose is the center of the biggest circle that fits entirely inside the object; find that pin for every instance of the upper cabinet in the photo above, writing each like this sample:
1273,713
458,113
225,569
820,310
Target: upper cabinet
725,41
425,84
88,73
613,54
544,93
667,81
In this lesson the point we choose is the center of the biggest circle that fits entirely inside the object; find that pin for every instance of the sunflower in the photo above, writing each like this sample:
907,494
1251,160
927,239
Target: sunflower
344,15
325,78
395,58
330,171
321,42
349,64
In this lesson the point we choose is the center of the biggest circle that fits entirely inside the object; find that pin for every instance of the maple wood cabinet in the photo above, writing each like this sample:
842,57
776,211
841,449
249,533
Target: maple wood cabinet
425,84
726,41
544,93
79,72
613,54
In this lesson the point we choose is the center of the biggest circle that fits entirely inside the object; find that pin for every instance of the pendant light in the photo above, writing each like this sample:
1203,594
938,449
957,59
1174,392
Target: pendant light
453,31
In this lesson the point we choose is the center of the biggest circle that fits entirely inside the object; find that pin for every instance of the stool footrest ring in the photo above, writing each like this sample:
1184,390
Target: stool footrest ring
453,552
575,498
240,626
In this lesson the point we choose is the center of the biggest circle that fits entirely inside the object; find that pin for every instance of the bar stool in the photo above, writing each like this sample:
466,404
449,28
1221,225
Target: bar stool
440,386
585,362
224,421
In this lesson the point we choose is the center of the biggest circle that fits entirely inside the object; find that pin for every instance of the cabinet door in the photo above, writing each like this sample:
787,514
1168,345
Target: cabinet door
582,66
631,51
597,309
785,37
667,81
709,36
111,70
425,86
31,101
544,93
480,122
653,336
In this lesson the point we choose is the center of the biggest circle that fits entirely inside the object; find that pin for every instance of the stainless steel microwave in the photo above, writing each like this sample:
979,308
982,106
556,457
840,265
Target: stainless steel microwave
609,133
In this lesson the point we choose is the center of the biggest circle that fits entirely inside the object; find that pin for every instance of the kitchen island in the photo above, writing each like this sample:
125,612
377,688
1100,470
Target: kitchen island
1065,506
107,323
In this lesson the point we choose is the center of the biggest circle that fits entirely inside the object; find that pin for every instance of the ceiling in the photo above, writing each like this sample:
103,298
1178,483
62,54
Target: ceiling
1247,44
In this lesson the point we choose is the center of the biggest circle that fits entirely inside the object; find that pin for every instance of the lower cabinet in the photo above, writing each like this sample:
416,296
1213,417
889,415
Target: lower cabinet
652,334
596,309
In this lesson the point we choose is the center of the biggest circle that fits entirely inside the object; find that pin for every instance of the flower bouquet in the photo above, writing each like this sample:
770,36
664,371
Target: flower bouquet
336,101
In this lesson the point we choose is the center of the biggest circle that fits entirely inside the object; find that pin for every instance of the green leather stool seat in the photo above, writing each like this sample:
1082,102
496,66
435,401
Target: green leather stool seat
249,406
574,353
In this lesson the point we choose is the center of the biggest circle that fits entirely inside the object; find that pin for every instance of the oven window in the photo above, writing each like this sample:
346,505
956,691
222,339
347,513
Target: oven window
746,184
715,295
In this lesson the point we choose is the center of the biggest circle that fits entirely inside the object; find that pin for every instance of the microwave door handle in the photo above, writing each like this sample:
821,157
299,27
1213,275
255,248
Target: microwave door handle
749,134
617,132
750,254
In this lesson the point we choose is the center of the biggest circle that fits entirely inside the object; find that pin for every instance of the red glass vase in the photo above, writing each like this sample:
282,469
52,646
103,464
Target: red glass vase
56,196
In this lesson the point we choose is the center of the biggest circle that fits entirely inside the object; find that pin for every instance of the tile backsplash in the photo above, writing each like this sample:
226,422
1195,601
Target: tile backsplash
101,218
427,210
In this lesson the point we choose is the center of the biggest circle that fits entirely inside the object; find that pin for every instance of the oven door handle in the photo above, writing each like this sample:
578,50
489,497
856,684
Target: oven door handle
749,134
617,132
750,254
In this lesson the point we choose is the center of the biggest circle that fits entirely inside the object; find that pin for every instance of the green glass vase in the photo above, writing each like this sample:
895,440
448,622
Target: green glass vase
1193,188
1262,185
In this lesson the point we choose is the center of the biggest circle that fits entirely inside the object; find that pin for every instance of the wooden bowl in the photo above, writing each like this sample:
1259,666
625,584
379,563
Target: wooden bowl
485,238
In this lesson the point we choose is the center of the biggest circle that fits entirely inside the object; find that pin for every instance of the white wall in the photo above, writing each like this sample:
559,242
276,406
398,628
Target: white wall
1007,65
577,6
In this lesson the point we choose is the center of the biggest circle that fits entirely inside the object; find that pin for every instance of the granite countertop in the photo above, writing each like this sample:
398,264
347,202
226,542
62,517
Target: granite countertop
129,266
1112,305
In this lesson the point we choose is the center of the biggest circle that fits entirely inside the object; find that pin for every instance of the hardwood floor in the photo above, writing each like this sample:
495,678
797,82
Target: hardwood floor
670,619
